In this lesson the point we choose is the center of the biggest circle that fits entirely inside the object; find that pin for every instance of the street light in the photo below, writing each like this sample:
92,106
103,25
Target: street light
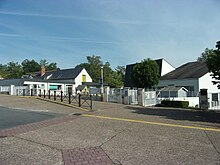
101,82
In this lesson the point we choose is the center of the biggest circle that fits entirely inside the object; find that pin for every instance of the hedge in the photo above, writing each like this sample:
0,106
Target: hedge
176,104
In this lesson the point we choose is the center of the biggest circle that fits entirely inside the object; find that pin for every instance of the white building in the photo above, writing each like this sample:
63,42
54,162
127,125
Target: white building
51,80
193,76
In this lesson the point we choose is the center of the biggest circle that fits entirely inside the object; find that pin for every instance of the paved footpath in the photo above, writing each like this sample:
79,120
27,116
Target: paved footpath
113,134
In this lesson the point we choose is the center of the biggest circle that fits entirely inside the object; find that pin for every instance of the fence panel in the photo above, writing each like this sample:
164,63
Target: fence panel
133,97
150,98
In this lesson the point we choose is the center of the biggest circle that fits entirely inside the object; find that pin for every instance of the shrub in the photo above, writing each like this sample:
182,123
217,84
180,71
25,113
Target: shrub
177,104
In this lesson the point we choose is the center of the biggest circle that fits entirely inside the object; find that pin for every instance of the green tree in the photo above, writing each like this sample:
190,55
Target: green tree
30,66
203,57
145,74
118,76
213,63
14,70
3,71
48,66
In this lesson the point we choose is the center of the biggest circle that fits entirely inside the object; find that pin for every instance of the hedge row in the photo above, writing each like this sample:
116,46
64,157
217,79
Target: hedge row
176,104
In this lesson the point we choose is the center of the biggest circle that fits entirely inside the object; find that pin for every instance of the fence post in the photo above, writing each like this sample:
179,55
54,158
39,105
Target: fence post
61,96
90,101
40,92
54,96
79,100
31,92
69,98
44,93
48,94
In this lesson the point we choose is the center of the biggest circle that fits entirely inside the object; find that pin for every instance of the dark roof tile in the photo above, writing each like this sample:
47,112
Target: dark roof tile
187,71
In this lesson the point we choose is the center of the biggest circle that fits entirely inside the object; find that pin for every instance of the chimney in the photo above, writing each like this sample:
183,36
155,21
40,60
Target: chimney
42,70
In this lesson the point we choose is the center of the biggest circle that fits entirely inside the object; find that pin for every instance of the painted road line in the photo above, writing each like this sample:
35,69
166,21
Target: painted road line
153,123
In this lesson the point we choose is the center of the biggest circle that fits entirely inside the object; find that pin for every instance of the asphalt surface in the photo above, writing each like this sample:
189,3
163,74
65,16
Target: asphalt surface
10,117
127,134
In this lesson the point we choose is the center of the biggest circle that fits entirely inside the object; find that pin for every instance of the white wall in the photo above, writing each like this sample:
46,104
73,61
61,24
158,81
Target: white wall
78,79
206,82
166,67
193,101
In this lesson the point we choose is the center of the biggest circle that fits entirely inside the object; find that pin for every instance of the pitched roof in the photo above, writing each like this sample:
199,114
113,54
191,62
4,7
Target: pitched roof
8,82
63,74
129,69
187,71
173,89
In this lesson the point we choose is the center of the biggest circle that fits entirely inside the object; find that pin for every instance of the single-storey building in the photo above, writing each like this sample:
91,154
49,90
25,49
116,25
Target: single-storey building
193,76
171,91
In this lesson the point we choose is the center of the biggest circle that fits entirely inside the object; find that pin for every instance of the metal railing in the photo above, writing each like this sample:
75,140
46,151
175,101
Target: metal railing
79,100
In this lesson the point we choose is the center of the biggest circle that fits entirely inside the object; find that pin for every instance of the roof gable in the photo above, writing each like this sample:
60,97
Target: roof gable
187,71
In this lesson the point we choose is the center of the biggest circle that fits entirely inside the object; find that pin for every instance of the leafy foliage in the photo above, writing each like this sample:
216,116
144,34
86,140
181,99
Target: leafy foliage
30,66
203,57
177,104
13,70
213,63
145,74
16,70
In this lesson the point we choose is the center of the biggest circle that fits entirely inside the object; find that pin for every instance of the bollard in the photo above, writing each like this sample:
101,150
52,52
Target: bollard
90,101
40,92
61,96
54,96
69,98
48,94
79,100
44,93
23,92
31,92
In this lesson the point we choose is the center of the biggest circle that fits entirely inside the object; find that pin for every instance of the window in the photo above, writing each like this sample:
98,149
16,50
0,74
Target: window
83,78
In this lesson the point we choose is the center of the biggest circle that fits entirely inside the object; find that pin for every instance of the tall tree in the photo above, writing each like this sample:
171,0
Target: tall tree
118,77
47,65
3,69
30,66
145,74
14,70
213,63
203,57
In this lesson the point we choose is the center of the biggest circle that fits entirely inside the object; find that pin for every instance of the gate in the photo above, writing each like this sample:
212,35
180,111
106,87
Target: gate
133,98
114,94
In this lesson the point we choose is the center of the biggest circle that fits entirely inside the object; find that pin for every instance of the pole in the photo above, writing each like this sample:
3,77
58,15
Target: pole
102,88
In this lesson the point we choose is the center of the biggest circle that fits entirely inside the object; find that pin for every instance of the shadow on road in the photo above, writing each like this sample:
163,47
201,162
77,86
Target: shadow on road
179,114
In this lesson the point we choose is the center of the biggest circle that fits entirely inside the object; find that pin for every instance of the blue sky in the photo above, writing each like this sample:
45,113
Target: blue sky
120,31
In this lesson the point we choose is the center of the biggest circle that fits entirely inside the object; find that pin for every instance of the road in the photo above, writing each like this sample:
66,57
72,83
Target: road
10,117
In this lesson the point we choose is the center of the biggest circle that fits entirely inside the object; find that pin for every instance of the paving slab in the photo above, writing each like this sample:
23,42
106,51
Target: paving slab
15,151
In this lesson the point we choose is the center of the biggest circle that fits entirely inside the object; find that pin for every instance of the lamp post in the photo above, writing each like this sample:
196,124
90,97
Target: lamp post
101,82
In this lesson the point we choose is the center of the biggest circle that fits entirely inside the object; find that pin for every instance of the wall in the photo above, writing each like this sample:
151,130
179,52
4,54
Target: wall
193,101
166,67
206,82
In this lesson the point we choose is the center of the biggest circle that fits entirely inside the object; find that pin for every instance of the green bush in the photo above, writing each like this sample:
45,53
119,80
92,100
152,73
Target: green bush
176,104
